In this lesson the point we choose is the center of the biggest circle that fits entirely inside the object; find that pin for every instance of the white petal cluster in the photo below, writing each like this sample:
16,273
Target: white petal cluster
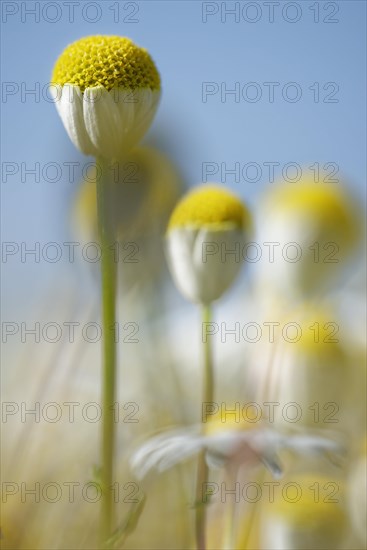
103,122
206,234
307,231
199,263
248,447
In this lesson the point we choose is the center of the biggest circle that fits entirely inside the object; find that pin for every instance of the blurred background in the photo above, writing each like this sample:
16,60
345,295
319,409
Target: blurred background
254,93
188,53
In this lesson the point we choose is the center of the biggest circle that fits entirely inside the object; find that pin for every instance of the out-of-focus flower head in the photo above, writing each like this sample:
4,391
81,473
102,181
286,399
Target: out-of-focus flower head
204,229
107,90
314,228
227,443
147,188
313,375
307,512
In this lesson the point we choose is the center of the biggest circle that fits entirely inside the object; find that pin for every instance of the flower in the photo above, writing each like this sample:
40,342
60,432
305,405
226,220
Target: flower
313,375
227,443
204,239
147,187
314,229
147,184
307,512
107,91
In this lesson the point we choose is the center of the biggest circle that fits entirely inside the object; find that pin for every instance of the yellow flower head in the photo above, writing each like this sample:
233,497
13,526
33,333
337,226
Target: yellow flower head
210,206
328,203
107,92
316,334
304,507
309,315
225,420
108,61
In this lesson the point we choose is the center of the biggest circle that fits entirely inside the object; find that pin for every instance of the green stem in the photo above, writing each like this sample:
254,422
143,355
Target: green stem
108,282
203,470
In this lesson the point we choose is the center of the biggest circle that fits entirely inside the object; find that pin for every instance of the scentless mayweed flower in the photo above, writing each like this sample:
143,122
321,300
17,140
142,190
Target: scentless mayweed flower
229,445
204,229
226,444
314,369
205,235
307,512
107,91
147,187
314,228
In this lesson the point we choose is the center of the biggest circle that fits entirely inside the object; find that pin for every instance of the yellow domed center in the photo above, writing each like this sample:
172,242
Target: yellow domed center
324,202
230,419
313,332
209,206
108,61
309,500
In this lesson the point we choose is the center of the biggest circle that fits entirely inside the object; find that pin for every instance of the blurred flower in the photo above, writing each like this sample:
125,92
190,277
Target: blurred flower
147,188
205,228
307,512
313,376
313,228
227,444
203,233
107,91
357,497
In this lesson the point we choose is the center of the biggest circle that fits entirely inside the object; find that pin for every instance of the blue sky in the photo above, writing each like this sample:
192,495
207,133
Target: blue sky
197,46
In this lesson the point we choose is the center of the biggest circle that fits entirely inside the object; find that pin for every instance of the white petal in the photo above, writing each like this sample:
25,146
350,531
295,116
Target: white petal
180,453
126,104
145,104
201,261
69,104
215,461
312,444
103,121
217,259
116,120
243,446
165,450
271,462
180,245
145,109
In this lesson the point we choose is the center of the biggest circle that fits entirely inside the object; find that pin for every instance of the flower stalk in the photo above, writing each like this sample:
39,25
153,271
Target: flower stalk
108,283
93,79
203,470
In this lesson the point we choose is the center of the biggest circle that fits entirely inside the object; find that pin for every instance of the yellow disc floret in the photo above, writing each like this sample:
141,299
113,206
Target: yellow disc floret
311,331
314,330
309,501
210,206
108,61
328,203
231,419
